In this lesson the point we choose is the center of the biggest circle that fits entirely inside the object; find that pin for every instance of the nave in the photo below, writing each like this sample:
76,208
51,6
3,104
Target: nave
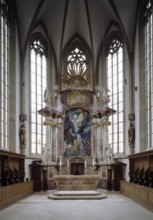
38,207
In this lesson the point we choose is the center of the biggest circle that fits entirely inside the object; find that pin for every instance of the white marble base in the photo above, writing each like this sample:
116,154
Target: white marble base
77,194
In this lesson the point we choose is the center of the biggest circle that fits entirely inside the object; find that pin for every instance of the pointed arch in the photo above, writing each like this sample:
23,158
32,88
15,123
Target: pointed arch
77,42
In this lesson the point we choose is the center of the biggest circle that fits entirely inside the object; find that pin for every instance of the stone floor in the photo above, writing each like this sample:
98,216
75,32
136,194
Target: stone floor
39,207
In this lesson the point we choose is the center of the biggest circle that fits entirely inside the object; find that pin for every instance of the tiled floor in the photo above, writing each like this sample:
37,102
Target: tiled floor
39,207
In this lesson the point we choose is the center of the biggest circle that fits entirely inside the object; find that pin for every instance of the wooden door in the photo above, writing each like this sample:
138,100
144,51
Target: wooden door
77,168
36,174
118,175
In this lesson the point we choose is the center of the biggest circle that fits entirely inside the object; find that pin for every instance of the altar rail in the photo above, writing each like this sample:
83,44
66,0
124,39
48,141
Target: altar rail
12,193
140,194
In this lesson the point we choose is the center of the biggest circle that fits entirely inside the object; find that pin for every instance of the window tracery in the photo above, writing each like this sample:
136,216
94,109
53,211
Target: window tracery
76,62
76,68
148,10
4,10
115,46
38,48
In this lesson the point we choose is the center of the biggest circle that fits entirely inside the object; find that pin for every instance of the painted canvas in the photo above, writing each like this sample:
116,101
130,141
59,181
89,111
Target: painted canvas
77,133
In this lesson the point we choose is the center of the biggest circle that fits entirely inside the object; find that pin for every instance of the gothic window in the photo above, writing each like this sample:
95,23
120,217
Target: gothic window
4,74
115,85
38,73
149,72
76,67
76,62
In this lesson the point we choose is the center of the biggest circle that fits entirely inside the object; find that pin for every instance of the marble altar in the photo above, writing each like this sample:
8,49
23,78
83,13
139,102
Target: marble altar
76,182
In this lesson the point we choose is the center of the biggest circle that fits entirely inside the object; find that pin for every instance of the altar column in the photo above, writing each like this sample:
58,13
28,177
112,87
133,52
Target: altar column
54,143
60,136
93,137
51,143
99,143
105,136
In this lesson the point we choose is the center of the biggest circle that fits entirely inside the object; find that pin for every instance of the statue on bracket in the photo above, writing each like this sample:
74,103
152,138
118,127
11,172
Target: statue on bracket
131,134
22,135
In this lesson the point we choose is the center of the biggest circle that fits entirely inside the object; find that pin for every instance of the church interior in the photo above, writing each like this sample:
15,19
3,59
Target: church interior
76,114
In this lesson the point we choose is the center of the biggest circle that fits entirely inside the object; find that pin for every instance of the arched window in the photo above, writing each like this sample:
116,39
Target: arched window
76,63
4,74
76,68
38,74
115,85
149,72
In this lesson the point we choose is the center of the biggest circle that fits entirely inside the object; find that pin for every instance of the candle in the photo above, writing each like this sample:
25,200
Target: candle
93,161
85,163
60,160
67,163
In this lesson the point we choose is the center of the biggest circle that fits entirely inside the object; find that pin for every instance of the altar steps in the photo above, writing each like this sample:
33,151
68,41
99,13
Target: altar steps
77,195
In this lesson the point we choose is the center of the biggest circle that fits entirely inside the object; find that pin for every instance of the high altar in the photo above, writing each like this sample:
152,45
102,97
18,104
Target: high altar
77,120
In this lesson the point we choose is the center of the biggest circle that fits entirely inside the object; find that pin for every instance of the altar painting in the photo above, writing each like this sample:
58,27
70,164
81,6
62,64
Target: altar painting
77,133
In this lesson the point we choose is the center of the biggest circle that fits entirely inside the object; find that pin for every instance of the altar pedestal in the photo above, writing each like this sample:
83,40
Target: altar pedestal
73,182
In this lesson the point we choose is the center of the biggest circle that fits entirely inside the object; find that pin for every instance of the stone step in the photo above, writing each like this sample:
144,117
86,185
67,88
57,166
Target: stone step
77,195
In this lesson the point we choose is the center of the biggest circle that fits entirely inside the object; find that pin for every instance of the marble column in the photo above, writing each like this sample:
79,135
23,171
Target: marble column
54,137
93,138
99,142
105,136
51,143
60,137
56,144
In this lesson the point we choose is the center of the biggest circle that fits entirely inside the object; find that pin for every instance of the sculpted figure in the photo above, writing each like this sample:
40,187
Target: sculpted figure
22,134
131,134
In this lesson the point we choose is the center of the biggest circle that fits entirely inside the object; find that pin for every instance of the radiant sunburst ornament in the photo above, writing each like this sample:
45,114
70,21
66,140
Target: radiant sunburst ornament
76,70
